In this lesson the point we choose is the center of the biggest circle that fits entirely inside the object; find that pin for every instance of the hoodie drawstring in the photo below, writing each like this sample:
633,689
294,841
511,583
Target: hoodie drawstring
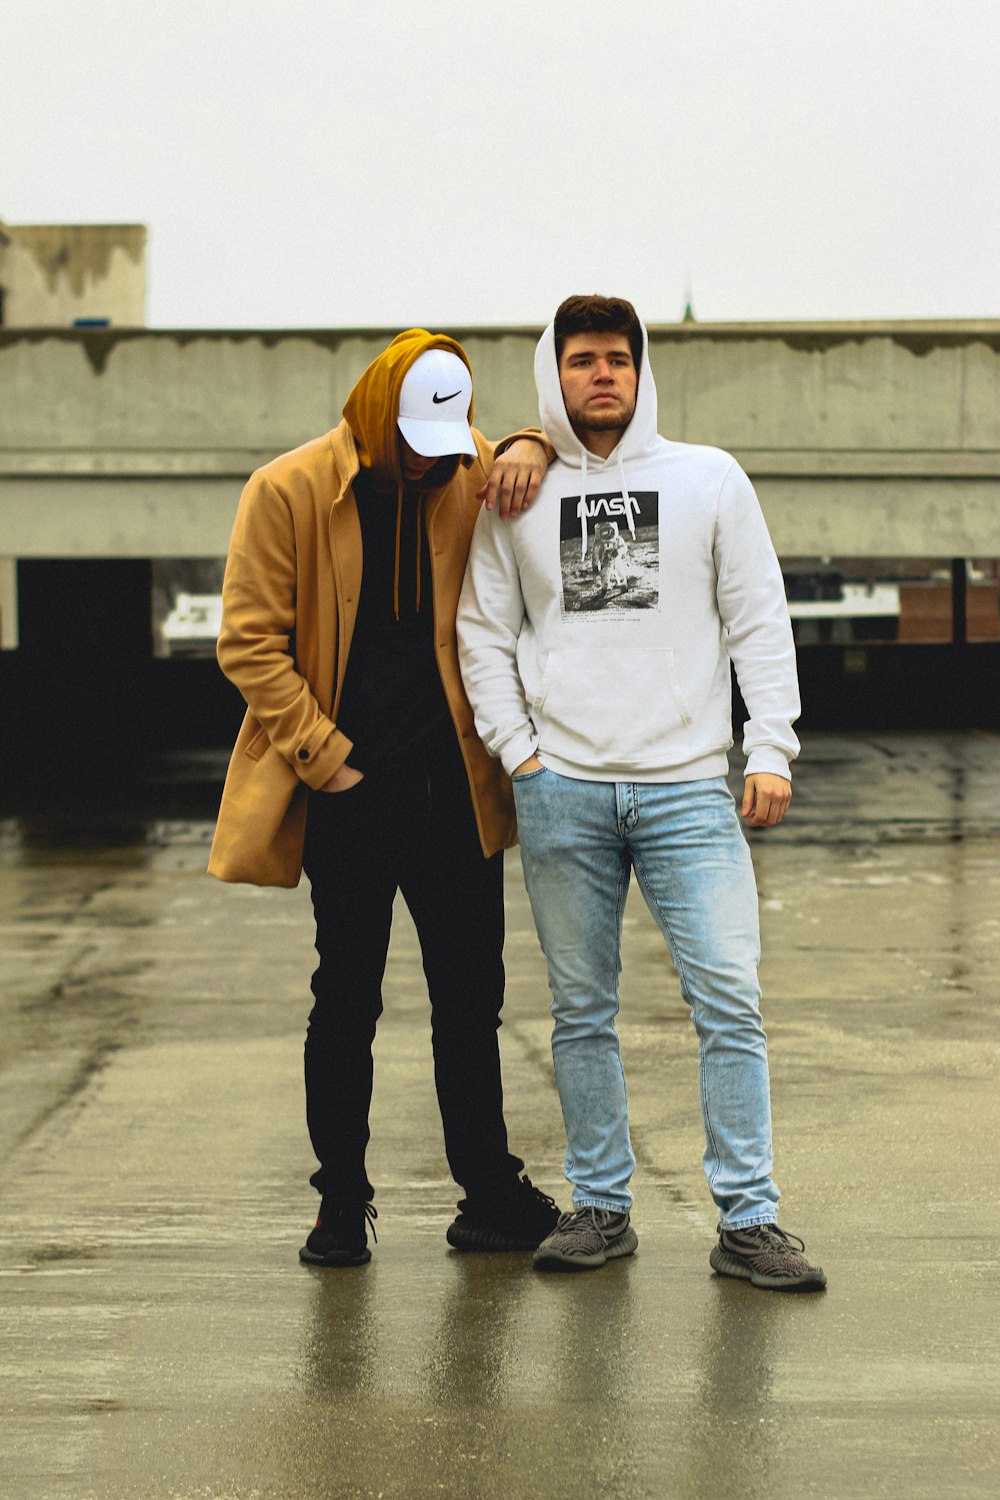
583,502
399,530
395,571
629,511
420,511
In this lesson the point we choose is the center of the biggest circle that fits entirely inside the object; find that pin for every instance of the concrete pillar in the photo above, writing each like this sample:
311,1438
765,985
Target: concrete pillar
8,604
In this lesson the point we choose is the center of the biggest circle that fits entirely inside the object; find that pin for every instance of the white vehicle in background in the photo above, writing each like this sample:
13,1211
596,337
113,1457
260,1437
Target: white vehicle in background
192,626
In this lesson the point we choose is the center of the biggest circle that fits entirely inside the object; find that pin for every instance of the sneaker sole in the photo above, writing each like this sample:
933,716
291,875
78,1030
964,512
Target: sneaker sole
476,1240
557,1260
727,1264
335,1260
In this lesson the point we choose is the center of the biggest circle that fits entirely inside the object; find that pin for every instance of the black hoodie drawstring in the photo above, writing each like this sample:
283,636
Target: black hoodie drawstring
399,530
395,571
420,511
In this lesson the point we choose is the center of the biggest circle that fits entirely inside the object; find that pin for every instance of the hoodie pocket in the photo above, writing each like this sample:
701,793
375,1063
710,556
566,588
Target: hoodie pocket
613,704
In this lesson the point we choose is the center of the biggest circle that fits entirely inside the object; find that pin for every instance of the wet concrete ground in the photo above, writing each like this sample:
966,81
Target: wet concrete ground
159,1338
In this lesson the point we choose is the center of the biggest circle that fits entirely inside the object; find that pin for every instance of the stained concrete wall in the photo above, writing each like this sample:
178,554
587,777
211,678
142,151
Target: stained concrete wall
57,273
868,439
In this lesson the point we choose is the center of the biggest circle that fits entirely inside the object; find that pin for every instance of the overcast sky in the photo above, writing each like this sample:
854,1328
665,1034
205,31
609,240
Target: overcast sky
312,163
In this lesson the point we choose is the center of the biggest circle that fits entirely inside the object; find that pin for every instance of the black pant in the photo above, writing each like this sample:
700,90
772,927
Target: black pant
410,828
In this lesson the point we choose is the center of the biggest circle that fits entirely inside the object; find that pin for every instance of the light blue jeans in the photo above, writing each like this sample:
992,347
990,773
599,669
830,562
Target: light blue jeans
579,842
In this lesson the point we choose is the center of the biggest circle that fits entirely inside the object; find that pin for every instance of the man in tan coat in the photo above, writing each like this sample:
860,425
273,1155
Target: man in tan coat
358,761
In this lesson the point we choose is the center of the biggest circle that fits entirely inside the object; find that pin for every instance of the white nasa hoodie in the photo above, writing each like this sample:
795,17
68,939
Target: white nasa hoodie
596,629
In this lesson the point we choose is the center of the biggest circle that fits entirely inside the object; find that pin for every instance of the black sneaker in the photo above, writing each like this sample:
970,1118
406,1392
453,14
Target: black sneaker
584,1239
515,1217
768,1257
340,1237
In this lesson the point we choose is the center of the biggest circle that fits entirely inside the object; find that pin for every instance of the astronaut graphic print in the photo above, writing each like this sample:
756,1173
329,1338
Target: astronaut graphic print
609,552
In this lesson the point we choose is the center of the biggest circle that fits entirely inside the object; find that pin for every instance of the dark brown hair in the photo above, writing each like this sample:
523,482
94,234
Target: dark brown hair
596,314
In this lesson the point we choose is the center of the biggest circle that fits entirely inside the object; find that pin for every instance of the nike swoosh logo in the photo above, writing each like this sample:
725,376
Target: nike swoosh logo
438,399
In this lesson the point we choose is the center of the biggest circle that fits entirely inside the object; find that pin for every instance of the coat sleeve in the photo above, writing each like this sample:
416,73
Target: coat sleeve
490,618
758,631
255,648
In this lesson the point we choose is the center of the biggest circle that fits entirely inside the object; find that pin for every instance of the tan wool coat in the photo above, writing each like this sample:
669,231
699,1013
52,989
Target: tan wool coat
290,601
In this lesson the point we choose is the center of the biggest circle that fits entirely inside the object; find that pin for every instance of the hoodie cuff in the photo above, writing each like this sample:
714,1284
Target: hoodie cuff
516,751
769,762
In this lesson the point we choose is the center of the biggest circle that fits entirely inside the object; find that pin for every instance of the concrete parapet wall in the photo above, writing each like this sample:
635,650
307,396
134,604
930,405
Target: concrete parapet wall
877,439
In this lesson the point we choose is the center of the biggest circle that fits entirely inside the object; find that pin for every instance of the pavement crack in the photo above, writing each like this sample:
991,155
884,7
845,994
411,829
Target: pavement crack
87,1069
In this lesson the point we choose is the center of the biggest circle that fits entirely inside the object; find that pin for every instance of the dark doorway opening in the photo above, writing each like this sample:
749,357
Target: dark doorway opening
84,694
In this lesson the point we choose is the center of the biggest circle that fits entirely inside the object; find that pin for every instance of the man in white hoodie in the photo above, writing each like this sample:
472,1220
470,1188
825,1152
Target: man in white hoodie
612,711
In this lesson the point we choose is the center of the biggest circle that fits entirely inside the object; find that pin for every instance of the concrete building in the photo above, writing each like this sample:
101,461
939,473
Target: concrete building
66,274
877,442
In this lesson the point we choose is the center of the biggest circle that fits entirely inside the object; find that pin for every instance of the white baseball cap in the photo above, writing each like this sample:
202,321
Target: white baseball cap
434,402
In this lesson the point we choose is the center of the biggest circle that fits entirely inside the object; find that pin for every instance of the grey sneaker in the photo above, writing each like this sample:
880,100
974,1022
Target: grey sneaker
766,1256
585,1239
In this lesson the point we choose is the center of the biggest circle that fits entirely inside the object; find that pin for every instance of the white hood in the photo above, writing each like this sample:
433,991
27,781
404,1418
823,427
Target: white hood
639,442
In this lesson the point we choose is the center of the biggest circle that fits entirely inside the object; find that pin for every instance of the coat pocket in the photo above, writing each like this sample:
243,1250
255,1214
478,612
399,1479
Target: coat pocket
261,823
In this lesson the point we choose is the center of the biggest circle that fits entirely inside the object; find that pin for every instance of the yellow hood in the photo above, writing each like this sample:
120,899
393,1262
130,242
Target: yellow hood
373,406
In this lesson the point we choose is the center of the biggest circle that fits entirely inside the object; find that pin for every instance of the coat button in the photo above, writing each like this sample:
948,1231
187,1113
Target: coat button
303,755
